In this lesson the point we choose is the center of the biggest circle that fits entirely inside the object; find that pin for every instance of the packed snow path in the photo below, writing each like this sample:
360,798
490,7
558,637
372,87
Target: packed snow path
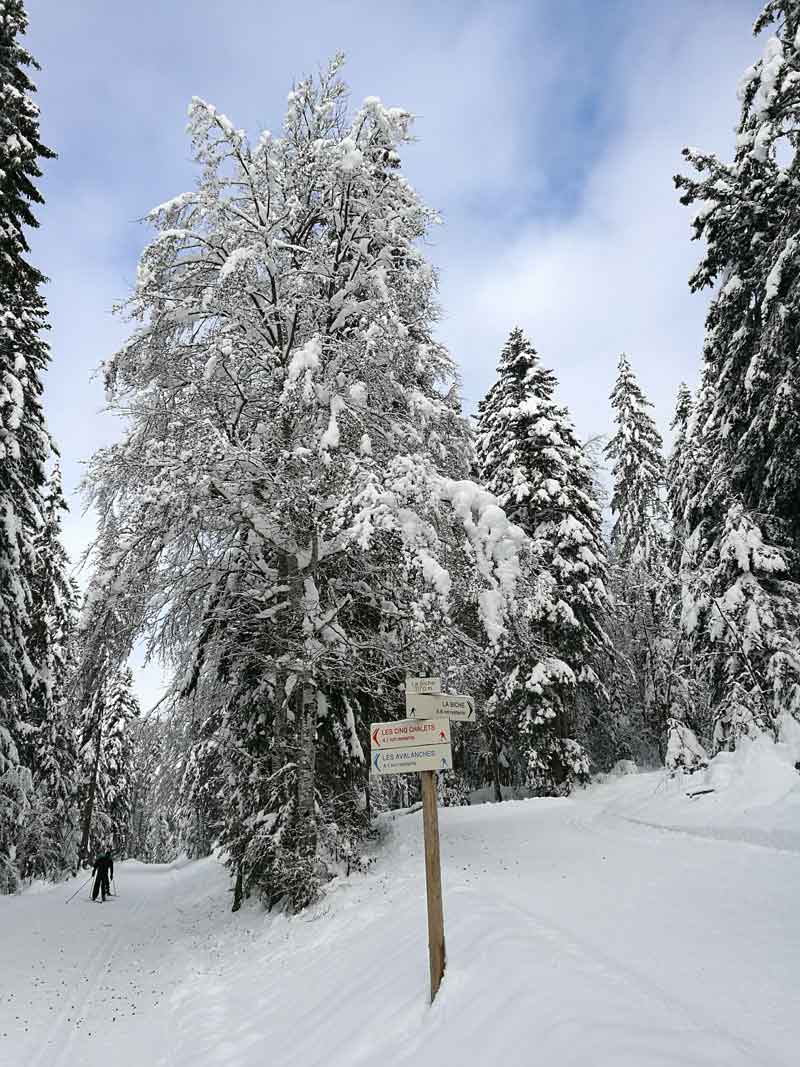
574,936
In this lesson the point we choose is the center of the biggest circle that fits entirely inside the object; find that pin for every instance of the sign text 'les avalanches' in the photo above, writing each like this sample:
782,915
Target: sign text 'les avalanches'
409,746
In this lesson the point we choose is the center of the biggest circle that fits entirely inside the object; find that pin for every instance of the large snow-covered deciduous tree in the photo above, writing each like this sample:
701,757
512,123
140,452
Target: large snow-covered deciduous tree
529,457
741,562
293,523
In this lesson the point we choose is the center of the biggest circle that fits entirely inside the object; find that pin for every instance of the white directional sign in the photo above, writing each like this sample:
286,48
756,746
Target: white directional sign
423,685
429,705
409,746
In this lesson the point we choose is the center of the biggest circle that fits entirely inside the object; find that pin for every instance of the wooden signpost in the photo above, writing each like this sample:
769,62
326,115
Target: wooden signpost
421,744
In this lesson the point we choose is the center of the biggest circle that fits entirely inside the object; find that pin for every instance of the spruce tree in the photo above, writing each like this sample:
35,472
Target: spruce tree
24,441
107,758
742,565
638,471
679,462
529,457
644,679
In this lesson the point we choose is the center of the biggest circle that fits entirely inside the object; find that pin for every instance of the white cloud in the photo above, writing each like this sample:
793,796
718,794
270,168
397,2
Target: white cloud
548,137
614,275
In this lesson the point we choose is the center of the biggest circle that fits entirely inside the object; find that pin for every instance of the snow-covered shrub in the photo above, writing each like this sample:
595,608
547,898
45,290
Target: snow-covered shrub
623,767
557,767
452,790
684,752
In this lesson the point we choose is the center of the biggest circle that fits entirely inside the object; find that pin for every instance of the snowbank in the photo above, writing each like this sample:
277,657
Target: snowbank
750,795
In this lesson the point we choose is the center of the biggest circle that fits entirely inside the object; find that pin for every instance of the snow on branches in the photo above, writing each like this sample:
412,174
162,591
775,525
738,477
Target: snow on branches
290,512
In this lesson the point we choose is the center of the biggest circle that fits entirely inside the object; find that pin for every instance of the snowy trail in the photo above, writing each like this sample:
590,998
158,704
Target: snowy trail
574,936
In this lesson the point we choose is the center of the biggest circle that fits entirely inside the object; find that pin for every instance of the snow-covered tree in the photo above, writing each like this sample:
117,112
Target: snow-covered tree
638,469
107,759
24,441
293,520
645,621
741,565
54,753
680,461
684,752
529,457
36,599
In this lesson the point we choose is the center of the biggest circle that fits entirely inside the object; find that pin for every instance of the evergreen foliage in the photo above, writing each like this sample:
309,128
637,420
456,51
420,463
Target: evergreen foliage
529,457
107,763
680,462
24,442
638,469
644,621
37,599
742,509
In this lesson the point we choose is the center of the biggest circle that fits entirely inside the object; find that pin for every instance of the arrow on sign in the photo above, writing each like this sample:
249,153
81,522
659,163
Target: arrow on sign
375,737
456,706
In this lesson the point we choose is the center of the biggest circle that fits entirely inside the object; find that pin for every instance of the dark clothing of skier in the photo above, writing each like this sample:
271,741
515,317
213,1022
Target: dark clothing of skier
104,869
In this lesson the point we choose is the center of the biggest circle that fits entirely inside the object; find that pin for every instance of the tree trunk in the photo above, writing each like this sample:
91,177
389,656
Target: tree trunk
306,712
498,792
238,889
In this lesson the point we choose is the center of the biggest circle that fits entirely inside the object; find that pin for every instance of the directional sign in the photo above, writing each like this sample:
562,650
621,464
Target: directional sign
423,685
429,705
409,746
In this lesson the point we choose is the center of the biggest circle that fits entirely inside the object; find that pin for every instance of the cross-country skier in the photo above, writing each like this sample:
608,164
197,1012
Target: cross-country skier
104,868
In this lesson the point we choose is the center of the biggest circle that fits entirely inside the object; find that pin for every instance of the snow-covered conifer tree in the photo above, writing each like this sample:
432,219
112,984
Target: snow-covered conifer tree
741,563
24,442
32,576
107,758
645,634
679,463
302,531
530,458
638,469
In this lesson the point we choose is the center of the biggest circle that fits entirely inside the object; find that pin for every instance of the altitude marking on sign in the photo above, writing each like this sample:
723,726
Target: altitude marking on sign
423,685
456,706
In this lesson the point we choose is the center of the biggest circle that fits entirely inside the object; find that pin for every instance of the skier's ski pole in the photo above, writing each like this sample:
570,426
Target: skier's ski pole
80,887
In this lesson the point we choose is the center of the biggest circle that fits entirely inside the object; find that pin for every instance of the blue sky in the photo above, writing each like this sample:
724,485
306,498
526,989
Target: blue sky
549,131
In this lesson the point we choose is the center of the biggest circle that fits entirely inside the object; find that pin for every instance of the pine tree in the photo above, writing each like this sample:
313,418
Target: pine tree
638,471
680,461
24,441
107,758
529,457
742,566
29,660
644,632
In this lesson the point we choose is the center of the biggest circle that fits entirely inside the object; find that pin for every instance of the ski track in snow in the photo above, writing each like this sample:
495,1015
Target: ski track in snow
576,933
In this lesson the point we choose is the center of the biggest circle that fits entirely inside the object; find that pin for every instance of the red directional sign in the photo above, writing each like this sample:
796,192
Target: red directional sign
411,745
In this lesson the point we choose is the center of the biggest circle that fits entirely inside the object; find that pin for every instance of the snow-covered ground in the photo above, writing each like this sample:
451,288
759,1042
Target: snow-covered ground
579,931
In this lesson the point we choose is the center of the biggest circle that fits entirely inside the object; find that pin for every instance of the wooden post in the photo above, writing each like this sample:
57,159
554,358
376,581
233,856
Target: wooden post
433,880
